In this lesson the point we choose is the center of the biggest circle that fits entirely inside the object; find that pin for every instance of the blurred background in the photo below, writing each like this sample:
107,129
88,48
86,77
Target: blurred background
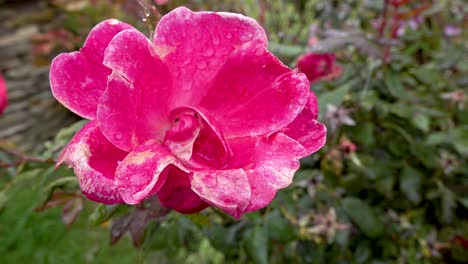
390,186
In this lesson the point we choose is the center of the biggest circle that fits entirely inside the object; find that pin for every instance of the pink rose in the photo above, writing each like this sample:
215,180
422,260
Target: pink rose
3,95
201,115
319,66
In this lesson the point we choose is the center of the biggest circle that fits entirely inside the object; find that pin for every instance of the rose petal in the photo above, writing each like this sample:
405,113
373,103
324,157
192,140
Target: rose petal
195,45
77,83
94,160
226,189
78,79
210,148
140,175
269,163
100,37
134,108
254,94
306,130
176,193
263,192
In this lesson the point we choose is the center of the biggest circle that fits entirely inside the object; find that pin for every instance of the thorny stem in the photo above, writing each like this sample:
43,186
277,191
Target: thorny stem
261,15
393,34
150,17
384,19
22,158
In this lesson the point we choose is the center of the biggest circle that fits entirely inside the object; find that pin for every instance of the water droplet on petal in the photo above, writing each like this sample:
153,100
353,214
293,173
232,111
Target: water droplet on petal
259,52
220,52
193,22
208,52
215,40
118,136
229,36
202,65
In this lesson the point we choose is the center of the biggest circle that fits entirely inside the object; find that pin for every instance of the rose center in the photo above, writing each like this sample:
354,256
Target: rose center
194,141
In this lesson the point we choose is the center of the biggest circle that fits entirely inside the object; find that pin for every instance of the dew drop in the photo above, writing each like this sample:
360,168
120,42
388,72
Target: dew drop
147,12
229,36
187,60
220,53
202,65
259,52
118,136
208,52
215,40
193,22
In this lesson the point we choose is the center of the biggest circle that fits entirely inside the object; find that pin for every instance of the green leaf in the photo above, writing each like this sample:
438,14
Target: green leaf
287,51
426,154
199,219
65,182
363,216
166,236
216,235
62,182
102,213
422,122
256,244
437,138
206,254
427,75
279,229
362,253
363,134
402,109
334,97
385,184
448,204
394,85
3,200
458,137
410,183
464,201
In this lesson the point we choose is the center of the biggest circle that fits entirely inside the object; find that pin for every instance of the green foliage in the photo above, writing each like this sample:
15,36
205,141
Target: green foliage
27,236
364,217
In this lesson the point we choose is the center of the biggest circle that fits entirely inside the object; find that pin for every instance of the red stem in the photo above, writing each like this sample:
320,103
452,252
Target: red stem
22,159
384,19
261,16
393,34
